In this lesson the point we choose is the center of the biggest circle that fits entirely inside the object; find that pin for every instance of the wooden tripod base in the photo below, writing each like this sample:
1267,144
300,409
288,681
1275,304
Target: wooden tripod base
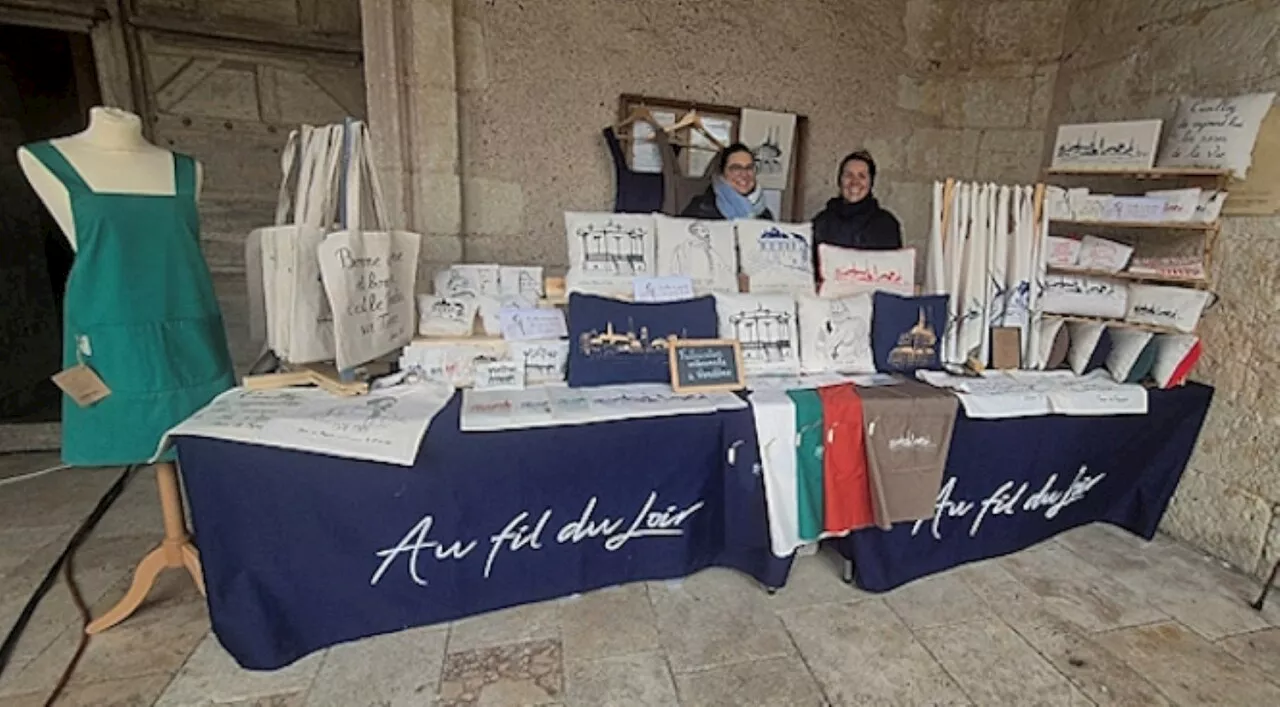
176,550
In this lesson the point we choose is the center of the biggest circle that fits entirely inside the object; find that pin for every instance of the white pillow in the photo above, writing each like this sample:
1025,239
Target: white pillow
835,335
446,316
777,257
848,271
1084,296
766,326
703,251
607,251
1160,305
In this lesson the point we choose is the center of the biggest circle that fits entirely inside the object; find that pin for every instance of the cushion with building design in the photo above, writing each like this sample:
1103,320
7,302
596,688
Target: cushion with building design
766,327
613,342
906,332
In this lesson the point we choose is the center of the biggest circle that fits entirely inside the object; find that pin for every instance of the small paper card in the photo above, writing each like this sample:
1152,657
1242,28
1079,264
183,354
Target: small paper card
500,375
670,288
530,324
82,384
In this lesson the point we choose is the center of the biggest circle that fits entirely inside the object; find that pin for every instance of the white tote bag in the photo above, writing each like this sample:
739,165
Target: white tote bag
368,269
298,323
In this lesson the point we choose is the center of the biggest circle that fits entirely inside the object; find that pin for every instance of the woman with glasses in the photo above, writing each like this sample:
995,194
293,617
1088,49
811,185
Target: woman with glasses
855,219
734,192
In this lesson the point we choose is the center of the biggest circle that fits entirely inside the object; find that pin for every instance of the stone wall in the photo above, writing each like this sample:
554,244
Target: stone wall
506,137
1133,59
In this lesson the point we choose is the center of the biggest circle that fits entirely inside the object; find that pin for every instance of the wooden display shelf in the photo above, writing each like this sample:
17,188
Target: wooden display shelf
1167,225
1197,283
1151,173
1116,323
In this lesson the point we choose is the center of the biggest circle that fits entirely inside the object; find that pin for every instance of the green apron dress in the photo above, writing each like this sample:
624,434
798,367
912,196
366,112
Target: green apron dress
141,312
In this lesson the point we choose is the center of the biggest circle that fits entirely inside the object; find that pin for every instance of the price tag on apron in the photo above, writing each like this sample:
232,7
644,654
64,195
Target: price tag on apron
82,384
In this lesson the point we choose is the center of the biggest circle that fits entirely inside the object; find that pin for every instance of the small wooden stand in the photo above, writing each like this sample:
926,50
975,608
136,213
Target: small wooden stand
176,550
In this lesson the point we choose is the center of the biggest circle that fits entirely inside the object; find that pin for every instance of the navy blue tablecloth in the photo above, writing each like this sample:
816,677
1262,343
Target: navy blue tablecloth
1012,483
302,551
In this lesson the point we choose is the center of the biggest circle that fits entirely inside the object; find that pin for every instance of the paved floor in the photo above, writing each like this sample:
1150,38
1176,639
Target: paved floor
1094,617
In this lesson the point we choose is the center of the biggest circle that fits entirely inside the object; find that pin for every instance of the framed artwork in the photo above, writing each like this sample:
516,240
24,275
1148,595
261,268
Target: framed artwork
770,136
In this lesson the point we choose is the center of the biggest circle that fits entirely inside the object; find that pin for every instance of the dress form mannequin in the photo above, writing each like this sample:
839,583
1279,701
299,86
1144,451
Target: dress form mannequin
112,157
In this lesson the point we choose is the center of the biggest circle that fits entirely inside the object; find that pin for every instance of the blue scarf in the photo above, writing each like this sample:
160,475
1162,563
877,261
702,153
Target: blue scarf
734,205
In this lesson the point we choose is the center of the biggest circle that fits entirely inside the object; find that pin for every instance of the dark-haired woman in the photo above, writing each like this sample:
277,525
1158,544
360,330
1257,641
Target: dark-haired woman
855,219
734,192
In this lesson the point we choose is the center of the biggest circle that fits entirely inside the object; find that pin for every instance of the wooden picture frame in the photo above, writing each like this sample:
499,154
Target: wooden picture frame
673,347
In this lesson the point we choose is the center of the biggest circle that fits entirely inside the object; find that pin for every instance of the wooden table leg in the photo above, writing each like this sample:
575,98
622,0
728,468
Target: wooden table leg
176,550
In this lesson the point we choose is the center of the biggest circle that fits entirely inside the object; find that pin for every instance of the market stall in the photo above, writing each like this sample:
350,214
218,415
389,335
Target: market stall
302,551
1012,483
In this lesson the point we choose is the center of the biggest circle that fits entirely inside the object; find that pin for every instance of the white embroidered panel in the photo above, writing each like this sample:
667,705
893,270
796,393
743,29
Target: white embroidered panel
544,361
703,251
446,316
1102,254
607,250
777,257
1085,296
1215,132
848,271
1176,307
835,335
522,283
766,326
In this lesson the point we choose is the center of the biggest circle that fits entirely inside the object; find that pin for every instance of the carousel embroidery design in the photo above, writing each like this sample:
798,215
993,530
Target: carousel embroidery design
613,248
765,334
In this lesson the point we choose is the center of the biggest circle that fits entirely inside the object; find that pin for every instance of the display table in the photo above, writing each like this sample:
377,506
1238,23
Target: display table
1010,484
302,551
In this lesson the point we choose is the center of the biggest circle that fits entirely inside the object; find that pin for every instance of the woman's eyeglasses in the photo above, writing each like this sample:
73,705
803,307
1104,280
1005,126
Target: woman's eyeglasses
741,168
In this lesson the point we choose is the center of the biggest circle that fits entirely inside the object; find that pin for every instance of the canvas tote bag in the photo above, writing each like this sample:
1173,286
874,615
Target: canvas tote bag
298,324
369,269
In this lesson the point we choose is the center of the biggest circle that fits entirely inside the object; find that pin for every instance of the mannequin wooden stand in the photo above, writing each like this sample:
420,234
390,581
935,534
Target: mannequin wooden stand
176,550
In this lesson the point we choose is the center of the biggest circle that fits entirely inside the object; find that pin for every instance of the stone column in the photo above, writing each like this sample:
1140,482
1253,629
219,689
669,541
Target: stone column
411,88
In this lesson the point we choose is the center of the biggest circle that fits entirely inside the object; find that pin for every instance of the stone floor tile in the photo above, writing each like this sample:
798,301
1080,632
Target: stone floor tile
518,624
157,639
99,564
292,699
1169,577
1078,592
607,623
716,617
763,683
642,680
61,497
516,675
1260,649
129,692
17,545
815,579
17,464
1106,679
1189,669
211,676
137,511
936,600
399,669
995,666
863,654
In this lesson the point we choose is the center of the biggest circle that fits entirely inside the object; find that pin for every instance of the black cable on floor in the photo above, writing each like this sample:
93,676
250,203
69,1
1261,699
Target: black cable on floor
88,524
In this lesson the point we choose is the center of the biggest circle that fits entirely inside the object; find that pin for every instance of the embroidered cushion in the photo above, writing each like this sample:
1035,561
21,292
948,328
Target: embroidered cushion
766,326
835,335
848,271
616,342
776,257
906,332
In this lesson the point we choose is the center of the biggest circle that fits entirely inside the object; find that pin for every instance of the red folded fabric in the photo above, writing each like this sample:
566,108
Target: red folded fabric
845,480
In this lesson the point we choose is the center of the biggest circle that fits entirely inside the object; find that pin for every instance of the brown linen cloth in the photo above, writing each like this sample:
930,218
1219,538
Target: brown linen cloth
908,434
679,188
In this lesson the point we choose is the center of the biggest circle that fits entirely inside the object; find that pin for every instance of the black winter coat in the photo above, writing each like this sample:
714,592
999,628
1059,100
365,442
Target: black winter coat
703,206
864,225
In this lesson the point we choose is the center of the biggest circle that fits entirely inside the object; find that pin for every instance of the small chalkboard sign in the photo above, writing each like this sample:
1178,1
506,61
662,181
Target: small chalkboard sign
705,365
